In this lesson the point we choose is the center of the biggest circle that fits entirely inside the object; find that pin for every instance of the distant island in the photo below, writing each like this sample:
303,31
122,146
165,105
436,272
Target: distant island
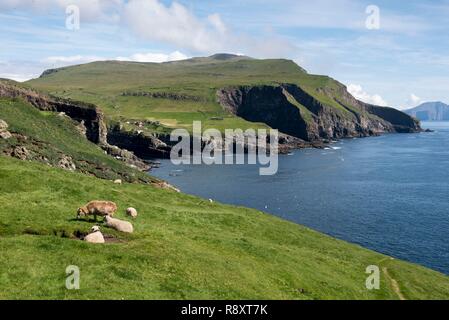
430,111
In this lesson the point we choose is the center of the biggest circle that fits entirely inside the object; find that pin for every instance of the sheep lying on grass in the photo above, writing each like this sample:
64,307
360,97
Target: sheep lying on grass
95,236
119,225
97,208
131,212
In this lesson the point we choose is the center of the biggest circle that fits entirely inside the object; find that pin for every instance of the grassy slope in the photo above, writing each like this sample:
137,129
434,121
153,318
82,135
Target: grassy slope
183,247
57,136
103,83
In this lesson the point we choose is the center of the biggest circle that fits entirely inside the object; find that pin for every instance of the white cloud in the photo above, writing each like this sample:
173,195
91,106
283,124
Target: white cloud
70,60
358,92
413,100
91,10
174,24
62,61
17,77
154,57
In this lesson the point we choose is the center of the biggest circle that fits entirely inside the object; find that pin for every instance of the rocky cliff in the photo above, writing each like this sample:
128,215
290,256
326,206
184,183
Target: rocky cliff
430,111
294,111
91,120
90,117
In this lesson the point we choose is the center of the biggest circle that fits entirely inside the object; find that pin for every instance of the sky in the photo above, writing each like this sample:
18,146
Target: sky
387,52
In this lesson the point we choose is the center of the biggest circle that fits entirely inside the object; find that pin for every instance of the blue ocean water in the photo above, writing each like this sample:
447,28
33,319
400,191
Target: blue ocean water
387,193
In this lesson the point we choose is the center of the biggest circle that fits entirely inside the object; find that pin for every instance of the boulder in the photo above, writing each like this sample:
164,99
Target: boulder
3,125
21,153
66,163
4,133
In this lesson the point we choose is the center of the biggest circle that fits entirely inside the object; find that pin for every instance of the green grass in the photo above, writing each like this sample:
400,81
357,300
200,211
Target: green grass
103,84
183,248
305,113
51,136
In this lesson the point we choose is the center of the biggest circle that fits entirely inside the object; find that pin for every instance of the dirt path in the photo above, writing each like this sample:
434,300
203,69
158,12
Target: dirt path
394,284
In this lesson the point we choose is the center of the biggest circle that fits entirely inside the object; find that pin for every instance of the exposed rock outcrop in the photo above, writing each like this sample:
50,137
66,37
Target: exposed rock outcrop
88,114
163,95
293,111
66,163
4,133
21,153
143,145
127,157
90,118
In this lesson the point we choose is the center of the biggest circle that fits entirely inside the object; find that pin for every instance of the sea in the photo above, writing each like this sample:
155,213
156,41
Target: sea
388,193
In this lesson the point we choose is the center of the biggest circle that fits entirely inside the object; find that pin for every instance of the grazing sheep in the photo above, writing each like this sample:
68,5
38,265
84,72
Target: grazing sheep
95,236
119,225
97,208
131,212
118,181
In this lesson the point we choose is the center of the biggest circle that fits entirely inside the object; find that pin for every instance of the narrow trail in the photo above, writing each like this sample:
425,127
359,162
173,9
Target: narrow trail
394,284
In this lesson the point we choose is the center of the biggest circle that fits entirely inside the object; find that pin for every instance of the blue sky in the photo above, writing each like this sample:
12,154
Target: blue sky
402,63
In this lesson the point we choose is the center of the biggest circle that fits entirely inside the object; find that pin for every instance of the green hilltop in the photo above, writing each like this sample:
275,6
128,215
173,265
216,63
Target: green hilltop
194,81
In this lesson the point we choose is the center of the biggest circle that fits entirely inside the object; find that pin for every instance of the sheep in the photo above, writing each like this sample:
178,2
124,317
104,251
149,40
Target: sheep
118,181
119,225
131,212
97,208
95,236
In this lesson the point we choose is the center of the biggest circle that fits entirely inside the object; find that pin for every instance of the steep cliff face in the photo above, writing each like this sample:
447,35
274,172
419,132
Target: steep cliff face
89,116
430,111
292,110
91,122
265,104
143,145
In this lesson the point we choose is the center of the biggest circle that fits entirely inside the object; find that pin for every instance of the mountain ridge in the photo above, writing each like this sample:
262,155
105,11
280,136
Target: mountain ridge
430,111
174,94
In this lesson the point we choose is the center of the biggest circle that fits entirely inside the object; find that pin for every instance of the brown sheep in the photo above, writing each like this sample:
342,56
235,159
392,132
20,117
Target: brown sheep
97,208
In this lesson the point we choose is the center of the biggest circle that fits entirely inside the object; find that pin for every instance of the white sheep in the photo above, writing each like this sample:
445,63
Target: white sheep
119,225
95,236
131,212
118,181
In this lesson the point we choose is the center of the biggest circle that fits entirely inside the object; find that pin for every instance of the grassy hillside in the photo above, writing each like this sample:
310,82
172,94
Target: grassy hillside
183,247
49,136
194,81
